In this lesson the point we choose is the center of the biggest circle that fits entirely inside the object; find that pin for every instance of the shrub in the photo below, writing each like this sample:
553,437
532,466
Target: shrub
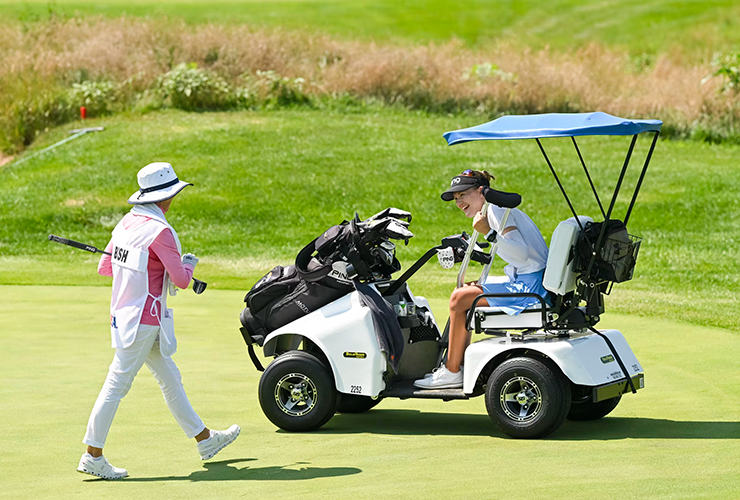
27,118
97,97
281,91
728,67
193,89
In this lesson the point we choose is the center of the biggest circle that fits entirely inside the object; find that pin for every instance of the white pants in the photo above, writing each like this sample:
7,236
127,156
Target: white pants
126,364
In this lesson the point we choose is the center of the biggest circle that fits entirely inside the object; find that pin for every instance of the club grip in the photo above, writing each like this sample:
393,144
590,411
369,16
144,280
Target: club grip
72,243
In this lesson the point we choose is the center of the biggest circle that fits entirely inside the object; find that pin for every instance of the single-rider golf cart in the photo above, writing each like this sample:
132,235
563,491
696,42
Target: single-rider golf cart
341,350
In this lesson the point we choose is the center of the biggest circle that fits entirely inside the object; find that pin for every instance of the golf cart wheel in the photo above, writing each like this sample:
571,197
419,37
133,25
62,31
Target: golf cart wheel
352,403
526,399
583,408
297,392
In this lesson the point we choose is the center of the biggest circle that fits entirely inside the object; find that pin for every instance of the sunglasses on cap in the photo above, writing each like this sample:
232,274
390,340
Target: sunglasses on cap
468,173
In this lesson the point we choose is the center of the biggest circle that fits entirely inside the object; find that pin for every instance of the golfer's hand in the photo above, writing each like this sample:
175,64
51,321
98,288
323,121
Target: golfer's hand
480,223
191,259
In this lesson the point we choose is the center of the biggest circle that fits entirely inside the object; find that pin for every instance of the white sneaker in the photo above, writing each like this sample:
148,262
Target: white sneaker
442,378
100,467
427,375
217,442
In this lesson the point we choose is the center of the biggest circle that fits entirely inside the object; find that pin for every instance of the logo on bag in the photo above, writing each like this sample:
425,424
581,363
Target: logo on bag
120,254
339,272
303,307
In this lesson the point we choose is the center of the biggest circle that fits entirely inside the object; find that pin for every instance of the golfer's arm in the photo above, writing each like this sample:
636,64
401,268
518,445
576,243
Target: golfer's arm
513,243
105,268
165,248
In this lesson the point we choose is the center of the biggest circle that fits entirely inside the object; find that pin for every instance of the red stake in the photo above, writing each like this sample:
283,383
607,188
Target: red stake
83,112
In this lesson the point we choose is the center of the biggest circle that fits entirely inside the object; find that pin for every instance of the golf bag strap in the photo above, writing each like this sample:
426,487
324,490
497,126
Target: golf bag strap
616,356
250,349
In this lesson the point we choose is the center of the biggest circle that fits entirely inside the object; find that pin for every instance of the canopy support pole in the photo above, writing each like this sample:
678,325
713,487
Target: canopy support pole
562,189
602,233
642,176
588,176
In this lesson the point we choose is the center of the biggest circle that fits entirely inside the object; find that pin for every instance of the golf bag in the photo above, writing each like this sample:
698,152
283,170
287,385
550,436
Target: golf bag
324,271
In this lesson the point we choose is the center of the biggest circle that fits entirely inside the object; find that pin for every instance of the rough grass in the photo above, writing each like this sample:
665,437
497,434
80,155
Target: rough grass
675,439
266,183
42,60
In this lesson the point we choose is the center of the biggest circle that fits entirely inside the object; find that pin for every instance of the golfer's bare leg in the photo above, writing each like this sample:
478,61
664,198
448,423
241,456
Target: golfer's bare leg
460,301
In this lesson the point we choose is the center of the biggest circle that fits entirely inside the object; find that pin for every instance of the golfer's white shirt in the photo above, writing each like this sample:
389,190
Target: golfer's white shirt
528,235
130,258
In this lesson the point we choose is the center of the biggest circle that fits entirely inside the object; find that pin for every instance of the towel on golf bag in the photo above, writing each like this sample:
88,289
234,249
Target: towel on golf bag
387,329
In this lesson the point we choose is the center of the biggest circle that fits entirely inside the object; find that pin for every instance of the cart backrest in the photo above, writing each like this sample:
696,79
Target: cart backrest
560,277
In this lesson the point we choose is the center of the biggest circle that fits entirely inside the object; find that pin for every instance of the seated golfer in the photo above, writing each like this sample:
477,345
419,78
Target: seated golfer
146,260
520,244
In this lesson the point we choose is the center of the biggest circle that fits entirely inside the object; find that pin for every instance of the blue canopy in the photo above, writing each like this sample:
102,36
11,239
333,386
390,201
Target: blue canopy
552,125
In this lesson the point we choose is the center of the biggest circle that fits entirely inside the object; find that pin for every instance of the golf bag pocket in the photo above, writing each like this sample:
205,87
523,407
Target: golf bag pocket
274,285
306,298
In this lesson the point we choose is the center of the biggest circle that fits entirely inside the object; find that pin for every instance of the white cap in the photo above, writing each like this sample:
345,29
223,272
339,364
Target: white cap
157,182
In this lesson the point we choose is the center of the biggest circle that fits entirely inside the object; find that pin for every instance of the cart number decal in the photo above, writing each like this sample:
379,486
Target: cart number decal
358,355
355,389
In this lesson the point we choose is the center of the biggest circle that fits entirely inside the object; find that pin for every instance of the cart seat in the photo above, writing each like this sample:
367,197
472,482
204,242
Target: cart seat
559,279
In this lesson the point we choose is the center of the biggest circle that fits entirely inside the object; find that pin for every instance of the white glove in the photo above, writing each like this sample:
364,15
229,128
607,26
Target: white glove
191,259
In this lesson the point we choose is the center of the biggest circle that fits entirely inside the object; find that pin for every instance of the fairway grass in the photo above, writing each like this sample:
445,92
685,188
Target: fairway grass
679,438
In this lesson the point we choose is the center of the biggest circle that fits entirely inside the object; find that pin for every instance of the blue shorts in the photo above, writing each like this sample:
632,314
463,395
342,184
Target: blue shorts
525,283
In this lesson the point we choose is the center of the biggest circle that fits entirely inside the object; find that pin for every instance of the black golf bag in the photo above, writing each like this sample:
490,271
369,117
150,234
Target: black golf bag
324,271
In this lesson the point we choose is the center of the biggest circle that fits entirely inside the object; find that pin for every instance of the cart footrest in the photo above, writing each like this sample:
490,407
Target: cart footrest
405,389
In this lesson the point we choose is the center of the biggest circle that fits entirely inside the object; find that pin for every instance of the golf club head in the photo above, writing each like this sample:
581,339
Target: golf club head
199,286
391,212
398,231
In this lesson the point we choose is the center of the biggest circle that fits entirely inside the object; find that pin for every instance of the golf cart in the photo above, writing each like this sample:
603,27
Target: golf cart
342,350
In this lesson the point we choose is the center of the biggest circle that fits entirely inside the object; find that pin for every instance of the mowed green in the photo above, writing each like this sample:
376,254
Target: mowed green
679,438
267,183
641,26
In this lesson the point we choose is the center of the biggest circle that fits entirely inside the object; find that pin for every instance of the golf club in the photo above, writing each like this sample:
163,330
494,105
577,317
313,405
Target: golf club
198,286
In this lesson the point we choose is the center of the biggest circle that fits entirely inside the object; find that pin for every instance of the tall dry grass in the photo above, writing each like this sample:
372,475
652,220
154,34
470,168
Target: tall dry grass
39,62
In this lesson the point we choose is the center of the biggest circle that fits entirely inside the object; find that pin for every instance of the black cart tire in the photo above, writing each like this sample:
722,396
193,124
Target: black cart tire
582,409
527,399
353,403
297,392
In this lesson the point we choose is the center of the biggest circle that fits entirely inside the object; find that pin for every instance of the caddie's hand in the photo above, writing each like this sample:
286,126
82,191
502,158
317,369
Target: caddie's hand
191,259
480,223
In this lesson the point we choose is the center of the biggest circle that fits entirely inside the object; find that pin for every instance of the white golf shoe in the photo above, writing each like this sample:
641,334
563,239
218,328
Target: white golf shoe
427,375
100,467
217,442
441,378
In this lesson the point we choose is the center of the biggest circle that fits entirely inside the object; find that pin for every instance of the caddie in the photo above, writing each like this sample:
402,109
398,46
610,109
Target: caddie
146,264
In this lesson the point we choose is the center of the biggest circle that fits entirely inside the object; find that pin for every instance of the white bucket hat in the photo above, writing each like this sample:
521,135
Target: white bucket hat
157,182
